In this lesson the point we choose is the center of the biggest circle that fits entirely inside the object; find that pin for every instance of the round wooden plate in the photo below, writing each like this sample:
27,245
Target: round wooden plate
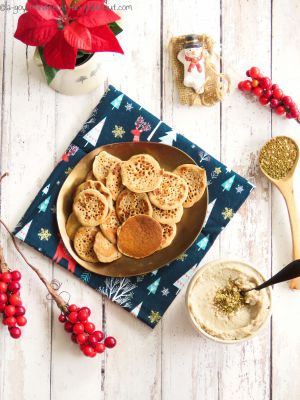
188,228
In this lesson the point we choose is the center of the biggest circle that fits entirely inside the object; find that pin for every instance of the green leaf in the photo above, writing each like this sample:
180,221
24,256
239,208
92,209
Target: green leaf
82,53
49,71
115,28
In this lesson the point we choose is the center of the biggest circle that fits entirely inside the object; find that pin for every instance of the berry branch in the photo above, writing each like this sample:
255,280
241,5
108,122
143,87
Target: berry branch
75,318
268,93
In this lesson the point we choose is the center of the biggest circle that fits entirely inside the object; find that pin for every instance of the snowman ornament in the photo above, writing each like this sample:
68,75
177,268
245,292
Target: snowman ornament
192,57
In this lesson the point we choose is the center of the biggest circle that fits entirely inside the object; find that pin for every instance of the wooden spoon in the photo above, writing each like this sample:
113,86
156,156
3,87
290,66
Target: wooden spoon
286,187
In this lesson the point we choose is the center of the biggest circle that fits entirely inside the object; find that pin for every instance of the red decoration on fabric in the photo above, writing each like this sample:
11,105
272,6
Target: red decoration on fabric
63,28
136,135
62,253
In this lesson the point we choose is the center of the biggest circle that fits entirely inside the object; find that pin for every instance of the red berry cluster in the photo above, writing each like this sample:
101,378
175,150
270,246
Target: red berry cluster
268,93
90,341
11,303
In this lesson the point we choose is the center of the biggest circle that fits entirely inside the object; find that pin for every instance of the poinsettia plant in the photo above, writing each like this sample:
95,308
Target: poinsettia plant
66,30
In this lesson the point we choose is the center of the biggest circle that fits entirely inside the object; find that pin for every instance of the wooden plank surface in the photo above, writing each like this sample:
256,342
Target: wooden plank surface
195,376
286,314
171,362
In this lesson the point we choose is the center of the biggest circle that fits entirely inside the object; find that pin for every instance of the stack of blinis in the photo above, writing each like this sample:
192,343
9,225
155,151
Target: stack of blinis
130,207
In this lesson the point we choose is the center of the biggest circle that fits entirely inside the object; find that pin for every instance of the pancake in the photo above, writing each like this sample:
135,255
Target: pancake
171,193
105,251
169,233
110,226
102,163
196,181
114,180
90,207
96,185
139,236
141,173
167,216
130,204
84,242
72,226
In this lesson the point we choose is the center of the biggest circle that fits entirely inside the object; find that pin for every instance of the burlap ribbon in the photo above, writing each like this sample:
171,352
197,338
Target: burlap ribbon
216,84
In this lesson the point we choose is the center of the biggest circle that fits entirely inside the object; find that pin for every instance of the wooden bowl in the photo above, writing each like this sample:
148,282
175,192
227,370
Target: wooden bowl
188,228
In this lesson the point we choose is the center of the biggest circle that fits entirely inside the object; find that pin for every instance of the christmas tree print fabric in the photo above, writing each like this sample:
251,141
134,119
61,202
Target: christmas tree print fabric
118,118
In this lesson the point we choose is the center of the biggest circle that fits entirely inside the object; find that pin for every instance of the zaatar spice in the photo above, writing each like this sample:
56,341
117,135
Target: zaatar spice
278,157
229,299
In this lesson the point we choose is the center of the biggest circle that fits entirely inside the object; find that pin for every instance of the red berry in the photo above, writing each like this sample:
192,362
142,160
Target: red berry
73,308
277,93
10,311
274,103
88,310
268,93
62,318
3,298
81,338
255,83
265,83
257,91
254,72
99,348
3,287
82,346
287,101
10,321
248,73
74,337
289,116
78,328
240,86
83,316
99,336
247,86
14,286
275,86
92,340
263,100
68,327
15,300
6,277
89,327
110,342
20,310
16,275
280,110
2,307
72,317
89,351
21,320
294,112
15,332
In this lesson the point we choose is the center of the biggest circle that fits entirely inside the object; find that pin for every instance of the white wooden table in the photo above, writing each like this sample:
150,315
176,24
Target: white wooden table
171,362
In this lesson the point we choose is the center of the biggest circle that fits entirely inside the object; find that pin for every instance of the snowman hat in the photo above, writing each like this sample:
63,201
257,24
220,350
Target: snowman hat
191,41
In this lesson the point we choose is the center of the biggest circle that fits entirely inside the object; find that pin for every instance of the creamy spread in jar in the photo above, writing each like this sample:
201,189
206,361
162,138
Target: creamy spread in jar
218,305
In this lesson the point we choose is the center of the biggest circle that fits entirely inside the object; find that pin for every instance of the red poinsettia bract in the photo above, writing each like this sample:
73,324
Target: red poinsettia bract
64,26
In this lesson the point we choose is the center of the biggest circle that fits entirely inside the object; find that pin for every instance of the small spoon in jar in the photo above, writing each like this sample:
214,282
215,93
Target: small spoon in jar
291,271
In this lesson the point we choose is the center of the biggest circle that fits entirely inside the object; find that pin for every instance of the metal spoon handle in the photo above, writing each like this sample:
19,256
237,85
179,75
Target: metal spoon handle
291,271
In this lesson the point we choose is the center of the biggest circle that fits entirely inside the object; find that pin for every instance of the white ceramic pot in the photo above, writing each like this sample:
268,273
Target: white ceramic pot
202,331
84,78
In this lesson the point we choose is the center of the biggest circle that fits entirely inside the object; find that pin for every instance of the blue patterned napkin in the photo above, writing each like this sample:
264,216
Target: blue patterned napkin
117,118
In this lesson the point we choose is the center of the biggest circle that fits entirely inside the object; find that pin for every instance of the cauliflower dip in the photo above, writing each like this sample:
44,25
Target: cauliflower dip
218,305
